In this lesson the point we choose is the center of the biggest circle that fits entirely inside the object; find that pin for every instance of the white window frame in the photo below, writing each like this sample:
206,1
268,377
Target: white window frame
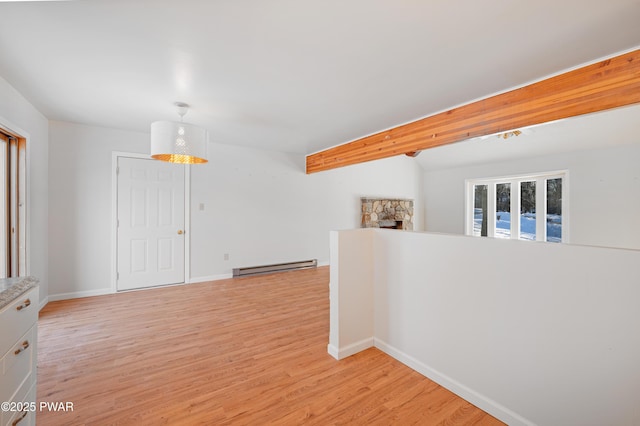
515,181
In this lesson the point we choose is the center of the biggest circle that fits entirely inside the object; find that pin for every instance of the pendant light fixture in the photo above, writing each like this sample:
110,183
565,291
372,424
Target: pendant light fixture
179,142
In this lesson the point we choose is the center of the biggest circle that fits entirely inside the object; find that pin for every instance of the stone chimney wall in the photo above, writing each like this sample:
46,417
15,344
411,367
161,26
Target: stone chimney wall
382,212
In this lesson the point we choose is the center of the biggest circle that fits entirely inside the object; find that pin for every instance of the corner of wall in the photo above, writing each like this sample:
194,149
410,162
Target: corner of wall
351,292
19,115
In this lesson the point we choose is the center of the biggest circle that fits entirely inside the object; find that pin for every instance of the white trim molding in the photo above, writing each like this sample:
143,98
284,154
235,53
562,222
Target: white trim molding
79,294
210,278
352,349
477,399
43,303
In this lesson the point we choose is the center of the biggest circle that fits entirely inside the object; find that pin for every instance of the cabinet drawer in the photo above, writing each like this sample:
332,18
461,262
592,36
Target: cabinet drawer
22,418
17,366
18,317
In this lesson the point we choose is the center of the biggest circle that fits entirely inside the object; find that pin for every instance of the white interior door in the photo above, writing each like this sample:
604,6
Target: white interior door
151,218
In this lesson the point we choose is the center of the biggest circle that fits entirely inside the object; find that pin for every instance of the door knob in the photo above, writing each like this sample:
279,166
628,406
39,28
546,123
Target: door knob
180,232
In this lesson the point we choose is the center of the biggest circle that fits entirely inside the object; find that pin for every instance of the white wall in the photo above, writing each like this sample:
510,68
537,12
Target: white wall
351,316
533,333
80,205
604,194
259,206
18,114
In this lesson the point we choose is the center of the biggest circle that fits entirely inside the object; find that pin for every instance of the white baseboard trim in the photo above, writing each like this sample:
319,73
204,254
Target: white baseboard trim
79,294
103,291
194,280
477,399
227,276
43,303
333,351
354,348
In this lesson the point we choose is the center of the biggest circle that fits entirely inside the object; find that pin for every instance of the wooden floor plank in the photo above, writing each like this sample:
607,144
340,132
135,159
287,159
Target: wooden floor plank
243,351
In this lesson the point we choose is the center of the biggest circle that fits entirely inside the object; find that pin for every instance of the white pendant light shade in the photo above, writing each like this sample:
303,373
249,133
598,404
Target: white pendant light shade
178,142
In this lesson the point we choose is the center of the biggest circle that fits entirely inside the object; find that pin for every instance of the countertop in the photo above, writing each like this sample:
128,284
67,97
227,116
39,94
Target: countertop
12,288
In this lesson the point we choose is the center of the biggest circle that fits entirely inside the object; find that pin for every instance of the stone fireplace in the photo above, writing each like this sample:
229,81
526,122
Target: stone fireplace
387,213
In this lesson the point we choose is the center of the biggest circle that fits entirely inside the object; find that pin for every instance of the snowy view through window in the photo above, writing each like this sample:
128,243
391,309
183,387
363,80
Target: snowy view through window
528,212
527,226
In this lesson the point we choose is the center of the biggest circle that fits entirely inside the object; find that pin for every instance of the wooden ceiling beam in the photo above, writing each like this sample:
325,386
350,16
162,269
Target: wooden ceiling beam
604,85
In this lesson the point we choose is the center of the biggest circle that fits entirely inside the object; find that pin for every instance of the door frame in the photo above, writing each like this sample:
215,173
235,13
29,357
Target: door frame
16,131
115,155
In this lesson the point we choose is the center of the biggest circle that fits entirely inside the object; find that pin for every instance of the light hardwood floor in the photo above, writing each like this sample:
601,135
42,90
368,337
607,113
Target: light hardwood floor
248,351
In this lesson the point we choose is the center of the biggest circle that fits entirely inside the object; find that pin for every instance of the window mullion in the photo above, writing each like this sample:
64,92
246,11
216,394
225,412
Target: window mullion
541,209
565,209
515,209
468,226
491,209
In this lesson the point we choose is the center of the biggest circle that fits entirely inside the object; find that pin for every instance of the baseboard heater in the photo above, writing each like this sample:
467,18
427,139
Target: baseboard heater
277,267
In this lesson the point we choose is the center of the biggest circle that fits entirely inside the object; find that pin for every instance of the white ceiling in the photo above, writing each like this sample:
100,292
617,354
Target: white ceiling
294,75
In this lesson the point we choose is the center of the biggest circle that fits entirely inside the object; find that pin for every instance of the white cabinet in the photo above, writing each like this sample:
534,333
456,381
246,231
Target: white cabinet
18,347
